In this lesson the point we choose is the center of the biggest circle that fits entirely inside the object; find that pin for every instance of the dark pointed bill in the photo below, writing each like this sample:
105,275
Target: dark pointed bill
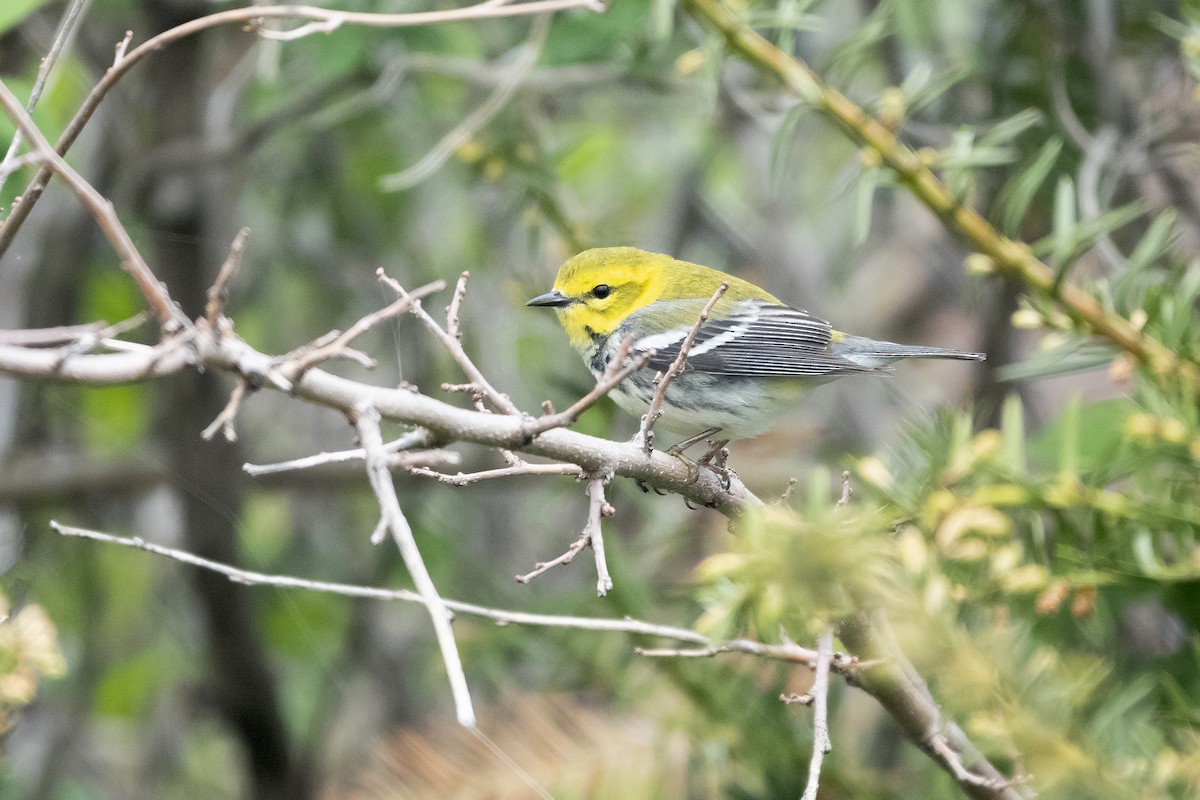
555,299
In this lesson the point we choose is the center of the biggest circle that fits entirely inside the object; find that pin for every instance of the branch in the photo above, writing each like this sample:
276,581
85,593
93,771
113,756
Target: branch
366,420
1011,257
451,342
783,652
888,677
254,15
820,695
592,536
170,317
336,344
10,163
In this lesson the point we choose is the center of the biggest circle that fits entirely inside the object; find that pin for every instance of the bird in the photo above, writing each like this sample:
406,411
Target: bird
751,359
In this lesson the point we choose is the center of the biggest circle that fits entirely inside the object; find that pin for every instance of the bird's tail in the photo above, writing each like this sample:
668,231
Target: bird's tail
871,353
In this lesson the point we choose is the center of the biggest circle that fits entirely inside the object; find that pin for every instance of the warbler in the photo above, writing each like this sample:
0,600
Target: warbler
750,360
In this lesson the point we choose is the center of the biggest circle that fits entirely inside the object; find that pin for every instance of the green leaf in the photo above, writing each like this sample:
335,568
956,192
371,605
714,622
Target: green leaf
1018,193
13,12
1153,244
1004,131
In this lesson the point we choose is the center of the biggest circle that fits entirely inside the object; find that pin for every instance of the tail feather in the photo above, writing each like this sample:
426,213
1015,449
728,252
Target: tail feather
872,353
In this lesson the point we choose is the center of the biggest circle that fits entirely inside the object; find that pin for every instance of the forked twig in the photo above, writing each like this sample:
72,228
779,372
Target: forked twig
598,507
450,341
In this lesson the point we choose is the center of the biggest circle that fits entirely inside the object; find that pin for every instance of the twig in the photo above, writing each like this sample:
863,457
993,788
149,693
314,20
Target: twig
592,535
646,431
10,164
781,652
88,341
598,508
616,371
169,316
410,441
224,420
526,55
121,49
336,344
888,677
460,291
847,489
366,420
820,695
219,291
475,377
44,337
465,478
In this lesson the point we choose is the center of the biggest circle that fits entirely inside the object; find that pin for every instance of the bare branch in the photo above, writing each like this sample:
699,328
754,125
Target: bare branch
646,432
66,27
820,696
335,344
466,478
169,316
592,535
224,420
47,337
218,292
409,441
616,371
785,652
477,382
460,291
366,420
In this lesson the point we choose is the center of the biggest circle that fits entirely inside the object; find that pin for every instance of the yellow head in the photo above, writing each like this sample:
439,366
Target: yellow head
596,290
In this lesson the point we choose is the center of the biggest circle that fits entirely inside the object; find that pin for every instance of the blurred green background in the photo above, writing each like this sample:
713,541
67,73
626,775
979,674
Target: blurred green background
1030,523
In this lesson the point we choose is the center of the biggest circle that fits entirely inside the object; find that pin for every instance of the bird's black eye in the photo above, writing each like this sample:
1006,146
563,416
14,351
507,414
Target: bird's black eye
602,291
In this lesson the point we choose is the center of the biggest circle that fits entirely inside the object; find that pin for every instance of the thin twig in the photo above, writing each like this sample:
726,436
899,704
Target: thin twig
219,291
66,26
820,695
88,341
412,440
475,377
592,535
790,653
48,337
366,420
452,310
847,489
169,315
224,421
338,344
646,431
465,478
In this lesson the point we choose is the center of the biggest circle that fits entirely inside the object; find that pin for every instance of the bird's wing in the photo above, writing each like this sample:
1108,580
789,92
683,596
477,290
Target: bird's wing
758,338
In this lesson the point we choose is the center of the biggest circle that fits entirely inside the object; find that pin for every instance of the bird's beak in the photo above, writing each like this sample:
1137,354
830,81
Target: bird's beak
554,299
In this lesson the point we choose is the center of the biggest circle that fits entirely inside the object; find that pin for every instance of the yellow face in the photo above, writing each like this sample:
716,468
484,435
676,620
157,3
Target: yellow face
597,289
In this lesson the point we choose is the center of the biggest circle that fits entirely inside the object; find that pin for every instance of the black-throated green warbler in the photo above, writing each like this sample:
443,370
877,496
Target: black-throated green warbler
750,360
